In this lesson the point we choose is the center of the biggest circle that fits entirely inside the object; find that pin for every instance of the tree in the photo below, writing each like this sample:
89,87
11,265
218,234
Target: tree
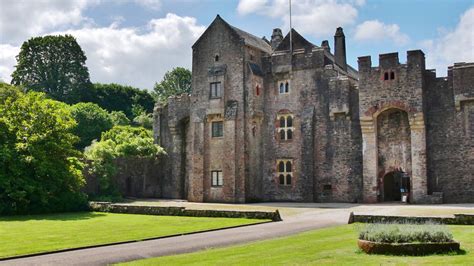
91,122
119,142
175,82
119,118
55,65
115,97
39,167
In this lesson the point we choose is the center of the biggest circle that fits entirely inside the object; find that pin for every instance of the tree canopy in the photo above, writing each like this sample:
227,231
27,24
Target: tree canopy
91,122
115,97
175,82
55,65
39,167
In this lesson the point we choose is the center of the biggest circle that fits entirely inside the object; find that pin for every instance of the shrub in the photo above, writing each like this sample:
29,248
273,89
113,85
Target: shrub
119,142
405,233
39,167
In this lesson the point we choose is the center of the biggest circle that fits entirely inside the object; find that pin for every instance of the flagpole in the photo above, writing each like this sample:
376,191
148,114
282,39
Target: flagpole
291,35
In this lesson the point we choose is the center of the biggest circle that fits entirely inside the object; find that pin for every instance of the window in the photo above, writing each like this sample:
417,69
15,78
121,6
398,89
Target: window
285,129
385,76
216,58
389,75
216,90
217,178
217,129
285,173
392,75
284,87
257,90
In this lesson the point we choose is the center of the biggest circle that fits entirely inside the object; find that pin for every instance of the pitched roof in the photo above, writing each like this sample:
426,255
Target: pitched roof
253,40
249,39
299,42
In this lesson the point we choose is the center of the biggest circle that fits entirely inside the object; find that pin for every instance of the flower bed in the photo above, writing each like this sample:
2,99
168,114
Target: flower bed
406,239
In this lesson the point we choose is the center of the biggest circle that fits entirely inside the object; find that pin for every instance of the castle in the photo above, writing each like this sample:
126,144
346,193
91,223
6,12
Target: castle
270,120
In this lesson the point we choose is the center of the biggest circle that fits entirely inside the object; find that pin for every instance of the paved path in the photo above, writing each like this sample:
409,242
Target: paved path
298,217
189,243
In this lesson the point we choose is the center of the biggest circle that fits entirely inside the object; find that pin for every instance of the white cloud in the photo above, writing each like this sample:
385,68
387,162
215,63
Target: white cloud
315,17
129,56
374,30
7,61
153,4
249,6
22,19
453,46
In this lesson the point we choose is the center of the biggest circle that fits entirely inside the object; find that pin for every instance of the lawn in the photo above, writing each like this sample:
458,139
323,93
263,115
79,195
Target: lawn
330,246
21,235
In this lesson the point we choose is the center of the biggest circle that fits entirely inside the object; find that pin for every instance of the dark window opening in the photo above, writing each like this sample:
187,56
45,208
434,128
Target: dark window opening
281,167
327,187
289,134
385,76
392,75
257,90
217,129
282,179
216,58
289,121
288,166
288,179
282,134
216,90
217,179
282,121
282,88
287,87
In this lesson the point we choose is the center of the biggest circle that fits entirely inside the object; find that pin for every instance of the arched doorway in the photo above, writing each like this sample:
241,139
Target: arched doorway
396,185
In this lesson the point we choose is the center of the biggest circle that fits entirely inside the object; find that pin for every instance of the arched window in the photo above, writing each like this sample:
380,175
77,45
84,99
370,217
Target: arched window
285,126
216,58
285,172
385,76
284,87
392,75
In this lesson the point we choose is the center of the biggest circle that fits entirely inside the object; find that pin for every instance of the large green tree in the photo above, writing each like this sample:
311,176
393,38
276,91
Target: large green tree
55,65
115,97
39,167
175,82
91,122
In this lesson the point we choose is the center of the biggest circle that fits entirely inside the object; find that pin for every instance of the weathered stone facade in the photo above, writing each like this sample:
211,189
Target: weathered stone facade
276,125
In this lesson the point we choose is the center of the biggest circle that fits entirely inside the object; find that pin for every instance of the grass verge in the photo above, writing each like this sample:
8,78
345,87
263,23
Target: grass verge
29,234
329,246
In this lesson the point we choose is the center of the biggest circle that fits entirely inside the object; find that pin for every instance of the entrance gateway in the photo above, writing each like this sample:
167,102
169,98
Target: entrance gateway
396,186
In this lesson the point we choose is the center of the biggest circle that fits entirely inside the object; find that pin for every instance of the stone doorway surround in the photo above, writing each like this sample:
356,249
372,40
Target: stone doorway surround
371,187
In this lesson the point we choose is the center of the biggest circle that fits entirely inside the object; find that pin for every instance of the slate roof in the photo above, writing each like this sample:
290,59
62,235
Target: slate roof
256,70
253,40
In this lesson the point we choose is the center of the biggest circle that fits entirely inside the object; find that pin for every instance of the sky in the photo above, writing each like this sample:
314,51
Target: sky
134,42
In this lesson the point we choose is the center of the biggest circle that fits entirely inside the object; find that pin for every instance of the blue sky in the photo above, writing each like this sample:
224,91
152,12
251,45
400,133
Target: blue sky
135,42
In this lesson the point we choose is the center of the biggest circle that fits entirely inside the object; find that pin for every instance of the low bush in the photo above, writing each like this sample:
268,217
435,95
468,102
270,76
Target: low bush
405,233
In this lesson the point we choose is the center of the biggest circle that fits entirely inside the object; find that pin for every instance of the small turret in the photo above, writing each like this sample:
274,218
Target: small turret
340,48
325,45
277,37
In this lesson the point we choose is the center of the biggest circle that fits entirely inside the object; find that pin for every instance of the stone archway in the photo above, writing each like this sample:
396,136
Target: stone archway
393,152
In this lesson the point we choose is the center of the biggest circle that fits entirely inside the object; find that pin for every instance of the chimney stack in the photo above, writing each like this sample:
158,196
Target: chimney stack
277,37
340,48
325,45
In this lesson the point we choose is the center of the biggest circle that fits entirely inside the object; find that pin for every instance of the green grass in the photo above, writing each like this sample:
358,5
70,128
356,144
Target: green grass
21,235
330,246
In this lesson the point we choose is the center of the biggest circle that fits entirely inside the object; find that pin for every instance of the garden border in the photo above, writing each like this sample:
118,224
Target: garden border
411,249
458,219
181,211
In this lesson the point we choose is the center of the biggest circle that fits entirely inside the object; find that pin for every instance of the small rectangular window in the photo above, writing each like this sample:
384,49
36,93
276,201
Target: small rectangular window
217,179
215,90
217,129
392,75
